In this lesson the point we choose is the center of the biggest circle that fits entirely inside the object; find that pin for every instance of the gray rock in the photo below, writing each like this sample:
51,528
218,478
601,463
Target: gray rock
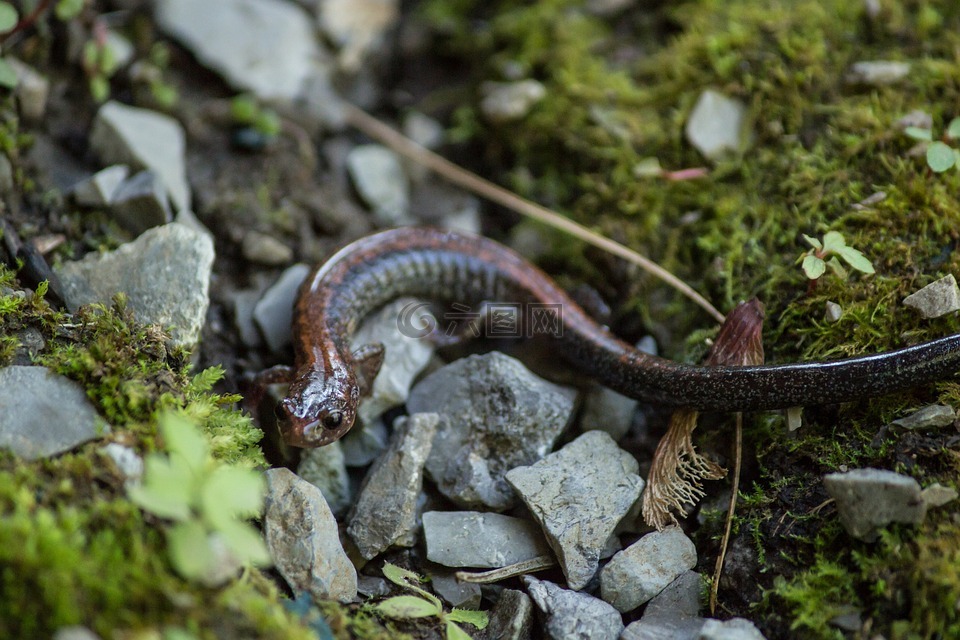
75,633
32,90
606,410
6,175
244,302
510,101
717,125
664,628
405,356
364,443
143,139
30,344
679,599
646,567
325,469
937,495
511,618
578,495
463,595
140,203
301,534
868,499
423,130
356,27
929,417
372,586
443,205
268,47
98,189
482,540
877,73
571,615
936,299
43,414
274,312
128,461
832,312
378,177
165,274
917,118
386,511
494,415
732,629
265,249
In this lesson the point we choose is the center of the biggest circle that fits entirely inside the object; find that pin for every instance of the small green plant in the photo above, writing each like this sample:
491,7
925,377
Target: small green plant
940,155
425,605
245,111
824,254
208,501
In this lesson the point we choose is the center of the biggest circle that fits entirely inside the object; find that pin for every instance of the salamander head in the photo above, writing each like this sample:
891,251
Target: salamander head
319,408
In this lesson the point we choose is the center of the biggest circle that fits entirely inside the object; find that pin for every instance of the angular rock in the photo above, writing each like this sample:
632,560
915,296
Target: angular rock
463,595
510,101
301,534
494,415
386,509
664,628
716,126
868,499
929,417
32,90
481,540
606,410
732,629
244,302
43,414
680,598
98,189
511,618
646,567
165,274
579,495
268,47
274,312
372,586
143,139
571,615
381,183
877,73
356,27
264,249
140,203
937,495
936,299
364,443
325,469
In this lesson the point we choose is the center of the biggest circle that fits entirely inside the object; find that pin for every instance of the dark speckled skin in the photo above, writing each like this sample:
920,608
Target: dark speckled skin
455,267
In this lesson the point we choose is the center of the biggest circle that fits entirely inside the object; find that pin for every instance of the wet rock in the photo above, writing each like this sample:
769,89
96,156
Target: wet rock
325,469
463,595
274,312
877,73
265,249
32,90
832,312
572,615
405,354
98,189
936,299
578,495
929,417
356,27
481,540
717,125
494,415
165,274
378,177
268,47
143,139
127,461
646,567
868,499
386,509
140,203
511,618
43,414
606,410
732,629
301,534
510,101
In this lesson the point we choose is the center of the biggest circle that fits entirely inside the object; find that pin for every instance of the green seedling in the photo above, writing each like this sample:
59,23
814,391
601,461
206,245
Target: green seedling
208,501
425,605
247,112
940,155
824,254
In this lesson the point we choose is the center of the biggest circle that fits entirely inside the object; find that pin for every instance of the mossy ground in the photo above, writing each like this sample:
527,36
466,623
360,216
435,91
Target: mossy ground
619,90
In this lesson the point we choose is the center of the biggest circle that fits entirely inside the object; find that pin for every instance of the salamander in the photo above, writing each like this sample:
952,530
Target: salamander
328,378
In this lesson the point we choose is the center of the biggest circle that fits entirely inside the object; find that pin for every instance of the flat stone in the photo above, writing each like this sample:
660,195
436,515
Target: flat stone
357,27
463,595
937,495
510,101
301,534
98,189
324,468
143,139
664,628
929,417
494,415
165,274
378,176
386,510
680,598
268,47
43,414
645,568
716,126
868,499
364,443
511,618
265,249
578,495
936,299
570,614
732,629
140,203
372,586
877,73
274,312
244,302
481,540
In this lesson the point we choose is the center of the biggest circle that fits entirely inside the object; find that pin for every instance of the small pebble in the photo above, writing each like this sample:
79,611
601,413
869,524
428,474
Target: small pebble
936,299
929,417
510,101
265,249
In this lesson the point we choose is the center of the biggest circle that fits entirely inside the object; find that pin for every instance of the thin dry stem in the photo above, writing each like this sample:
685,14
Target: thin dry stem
728,528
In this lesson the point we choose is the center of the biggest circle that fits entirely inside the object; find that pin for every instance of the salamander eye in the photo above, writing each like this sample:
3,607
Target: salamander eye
332,420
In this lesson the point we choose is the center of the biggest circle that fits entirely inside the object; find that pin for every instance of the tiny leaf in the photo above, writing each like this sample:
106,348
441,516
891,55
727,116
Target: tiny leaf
833,242
405,578
167,489
406,607
99,88
940,157
67,9
856,259
189,549
953,129
919,134
183,438
230,493
8,17
246,544
454,632
8,77
813,242
837,268
813,267
647,167
479,619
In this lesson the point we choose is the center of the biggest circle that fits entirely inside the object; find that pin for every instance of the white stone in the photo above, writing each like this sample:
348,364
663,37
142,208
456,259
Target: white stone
716,126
